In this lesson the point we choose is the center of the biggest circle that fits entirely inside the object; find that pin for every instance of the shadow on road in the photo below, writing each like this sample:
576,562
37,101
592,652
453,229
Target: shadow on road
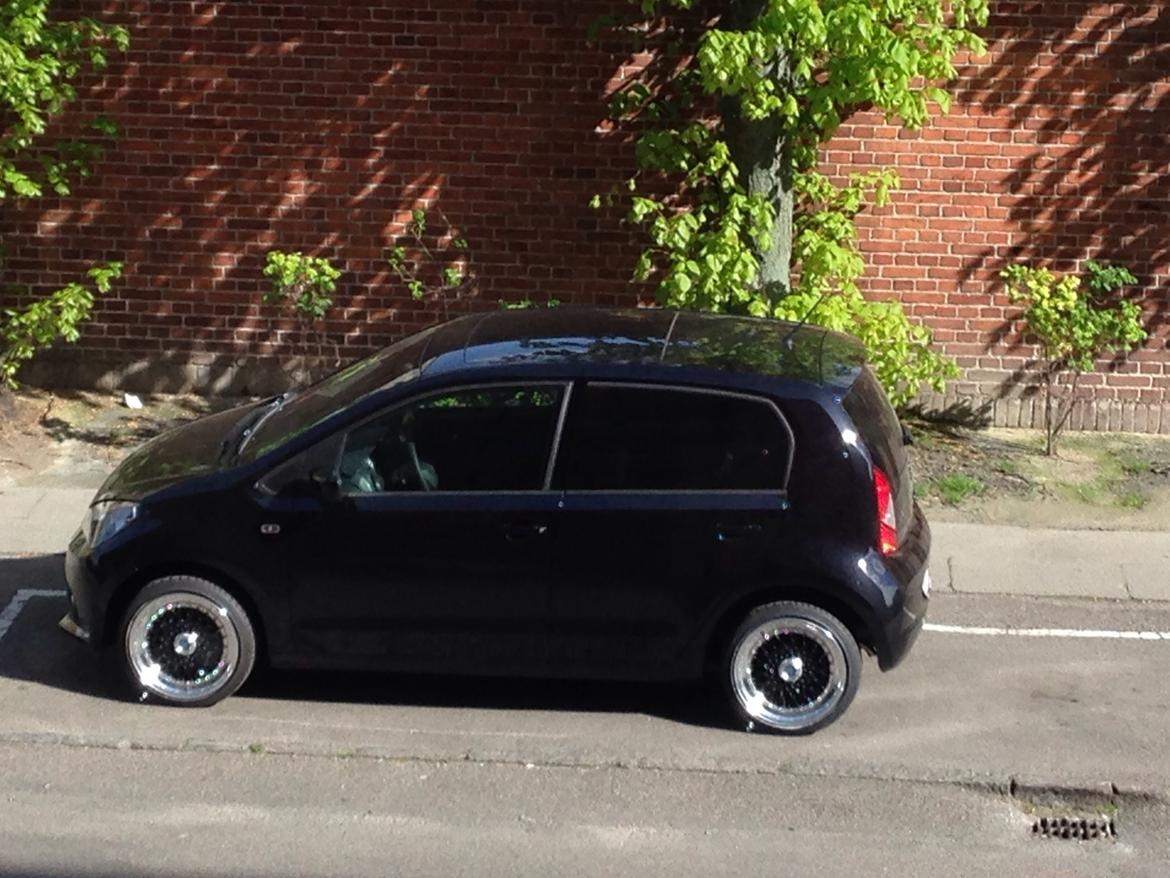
36,650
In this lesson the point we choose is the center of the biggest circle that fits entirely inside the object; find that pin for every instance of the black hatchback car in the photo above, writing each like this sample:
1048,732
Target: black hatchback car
640,494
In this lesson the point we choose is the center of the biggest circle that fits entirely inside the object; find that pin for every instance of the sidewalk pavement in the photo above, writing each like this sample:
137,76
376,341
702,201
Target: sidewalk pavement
966,558
997,559
40,521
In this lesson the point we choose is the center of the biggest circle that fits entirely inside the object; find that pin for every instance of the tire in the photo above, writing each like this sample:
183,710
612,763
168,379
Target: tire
777,646
186,642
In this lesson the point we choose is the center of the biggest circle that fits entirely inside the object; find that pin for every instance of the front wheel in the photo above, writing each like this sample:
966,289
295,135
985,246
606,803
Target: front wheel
186,641
791,668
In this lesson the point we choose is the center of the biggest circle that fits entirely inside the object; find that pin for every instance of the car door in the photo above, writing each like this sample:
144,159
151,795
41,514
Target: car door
435,553
671,495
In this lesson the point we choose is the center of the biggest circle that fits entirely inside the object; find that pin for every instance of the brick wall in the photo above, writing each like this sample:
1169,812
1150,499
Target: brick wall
320,126
1057,150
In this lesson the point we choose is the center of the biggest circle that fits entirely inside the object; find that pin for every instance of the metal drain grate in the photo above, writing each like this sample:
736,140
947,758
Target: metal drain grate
1076,828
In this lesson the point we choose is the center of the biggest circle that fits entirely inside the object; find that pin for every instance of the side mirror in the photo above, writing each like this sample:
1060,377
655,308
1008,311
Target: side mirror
320,484
325,485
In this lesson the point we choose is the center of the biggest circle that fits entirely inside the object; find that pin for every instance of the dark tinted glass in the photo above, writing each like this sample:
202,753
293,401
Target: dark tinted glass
316,403
625,439
491,439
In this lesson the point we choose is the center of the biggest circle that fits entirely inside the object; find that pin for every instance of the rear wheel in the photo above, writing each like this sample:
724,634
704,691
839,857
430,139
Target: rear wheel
186,641
791,668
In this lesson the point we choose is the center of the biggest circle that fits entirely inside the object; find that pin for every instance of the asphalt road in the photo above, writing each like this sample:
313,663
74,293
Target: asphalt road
944,764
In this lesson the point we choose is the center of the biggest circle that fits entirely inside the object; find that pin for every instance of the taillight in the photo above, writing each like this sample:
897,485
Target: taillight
887,520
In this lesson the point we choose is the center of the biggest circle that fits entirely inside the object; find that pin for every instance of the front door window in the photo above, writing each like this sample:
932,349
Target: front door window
474,439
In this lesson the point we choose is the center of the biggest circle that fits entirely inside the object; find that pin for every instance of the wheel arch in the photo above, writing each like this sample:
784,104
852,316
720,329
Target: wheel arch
720,633
124,594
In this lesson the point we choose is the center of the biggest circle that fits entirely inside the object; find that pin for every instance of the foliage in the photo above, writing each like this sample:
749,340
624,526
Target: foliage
526,304
1073,326
803,67
303,285
434,273
57,316
39,61
825,246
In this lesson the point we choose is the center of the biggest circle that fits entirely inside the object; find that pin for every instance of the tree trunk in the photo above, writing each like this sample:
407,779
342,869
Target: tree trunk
762,151
1049,435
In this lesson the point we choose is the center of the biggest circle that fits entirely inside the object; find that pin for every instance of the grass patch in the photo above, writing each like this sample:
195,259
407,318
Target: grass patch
1133,500
1008,466
1097,492
954,488
1132,464
256,748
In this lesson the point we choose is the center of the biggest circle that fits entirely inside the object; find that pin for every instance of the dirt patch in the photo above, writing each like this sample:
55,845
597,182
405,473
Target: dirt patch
1002,476
74,439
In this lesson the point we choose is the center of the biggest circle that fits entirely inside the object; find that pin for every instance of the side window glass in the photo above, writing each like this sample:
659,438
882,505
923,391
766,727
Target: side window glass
633,438
489,439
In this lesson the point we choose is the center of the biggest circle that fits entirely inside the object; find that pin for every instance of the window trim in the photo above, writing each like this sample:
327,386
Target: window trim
703,391
564,385
554,451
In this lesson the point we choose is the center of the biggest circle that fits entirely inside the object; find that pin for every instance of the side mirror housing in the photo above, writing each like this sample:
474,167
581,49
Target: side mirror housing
320,484
325,485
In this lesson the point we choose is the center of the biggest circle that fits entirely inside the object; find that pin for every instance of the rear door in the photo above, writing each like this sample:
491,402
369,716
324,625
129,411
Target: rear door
671,495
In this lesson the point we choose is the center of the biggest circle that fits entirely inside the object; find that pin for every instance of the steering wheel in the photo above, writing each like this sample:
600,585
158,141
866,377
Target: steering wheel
423,481
406,437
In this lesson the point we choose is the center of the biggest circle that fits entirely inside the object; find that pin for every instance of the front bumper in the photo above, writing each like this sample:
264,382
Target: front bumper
85,606
71,626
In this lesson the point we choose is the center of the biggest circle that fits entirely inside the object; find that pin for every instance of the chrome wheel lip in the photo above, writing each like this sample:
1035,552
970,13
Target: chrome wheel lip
757,705
145,667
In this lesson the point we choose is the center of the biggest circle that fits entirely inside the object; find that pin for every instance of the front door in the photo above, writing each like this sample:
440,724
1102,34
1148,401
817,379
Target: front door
437,554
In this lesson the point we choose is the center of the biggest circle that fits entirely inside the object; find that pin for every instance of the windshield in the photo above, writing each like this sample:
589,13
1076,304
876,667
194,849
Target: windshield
320,401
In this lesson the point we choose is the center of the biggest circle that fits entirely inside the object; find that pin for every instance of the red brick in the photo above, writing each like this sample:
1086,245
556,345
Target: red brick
302,126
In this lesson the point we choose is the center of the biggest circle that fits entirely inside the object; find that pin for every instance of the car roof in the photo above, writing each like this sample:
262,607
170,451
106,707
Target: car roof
640,337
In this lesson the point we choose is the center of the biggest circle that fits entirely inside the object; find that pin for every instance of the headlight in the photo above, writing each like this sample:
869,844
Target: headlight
107,518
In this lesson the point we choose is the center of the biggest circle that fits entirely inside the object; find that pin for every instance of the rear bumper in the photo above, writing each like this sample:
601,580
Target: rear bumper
904,579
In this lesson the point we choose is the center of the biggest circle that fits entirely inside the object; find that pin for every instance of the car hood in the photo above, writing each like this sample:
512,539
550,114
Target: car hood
189,450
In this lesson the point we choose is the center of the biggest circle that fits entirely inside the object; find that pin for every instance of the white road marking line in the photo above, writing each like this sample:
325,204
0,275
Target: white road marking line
18,601
1073,633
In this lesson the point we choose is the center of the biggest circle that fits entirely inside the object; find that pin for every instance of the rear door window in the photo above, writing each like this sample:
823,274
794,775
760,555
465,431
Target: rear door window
639,438
471,439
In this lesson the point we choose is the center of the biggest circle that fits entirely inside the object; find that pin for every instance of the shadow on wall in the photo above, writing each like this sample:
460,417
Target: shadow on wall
320,128
1084,90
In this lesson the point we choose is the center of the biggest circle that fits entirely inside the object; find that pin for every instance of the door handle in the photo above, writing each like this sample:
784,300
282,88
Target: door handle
727,532
525,530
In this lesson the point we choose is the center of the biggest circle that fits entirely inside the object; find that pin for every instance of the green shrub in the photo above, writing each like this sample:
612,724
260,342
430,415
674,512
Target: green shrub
304,286
1073,326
